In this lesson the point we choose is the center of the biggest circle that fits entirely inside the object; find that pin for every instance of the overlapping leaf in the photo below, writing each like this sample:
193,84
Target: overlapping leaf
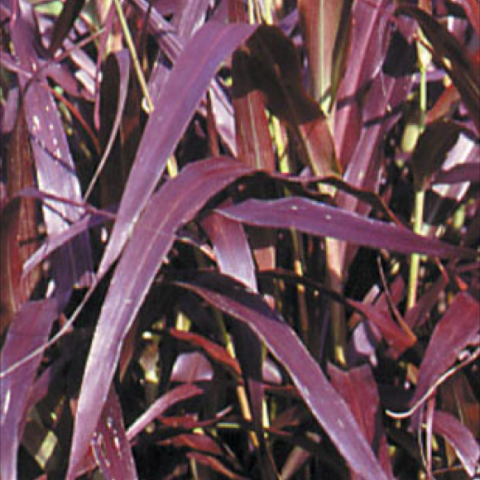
197,63
325,404
153,237
320,219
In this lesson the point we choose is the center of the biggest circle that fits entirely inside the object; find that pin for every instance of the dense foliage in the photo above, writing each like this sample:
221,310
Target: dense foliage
240,239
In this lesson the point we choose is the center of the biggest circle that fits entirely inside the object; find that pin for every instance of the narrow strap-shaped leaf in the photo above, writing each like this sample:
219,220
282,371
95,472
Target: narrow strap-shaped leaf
320,219
326,405
152,239
175,106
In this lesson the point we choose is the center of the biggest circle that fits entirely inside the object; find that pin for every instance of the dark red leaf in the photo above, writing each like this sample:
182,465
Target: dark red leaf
211,349
461,439
175,395
325,404
216,465
431,151
464,74
254,142
457,328
19,225
274,69
359,389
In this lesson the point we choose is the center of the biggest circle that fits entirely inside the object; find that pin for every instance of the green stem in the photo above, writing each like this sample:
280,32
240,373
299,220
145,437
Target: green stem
415,258
419,195
133,53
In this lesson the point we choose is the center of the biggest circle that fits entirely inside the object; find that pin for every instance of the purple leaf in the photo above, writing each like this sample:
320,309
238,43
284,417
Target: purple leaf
153,237
359,389
189,16
463,72
468,172
235,259
457,328
175,395
324,220
29,330
325,404
369,43
110,444
117,71
188,82
461,439
70,11
54,164
190,368
431,151
325,27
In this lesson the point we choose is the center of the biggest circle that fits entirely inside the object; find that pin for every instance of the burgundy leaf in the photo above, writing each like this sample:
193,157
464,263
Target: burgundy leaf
216,465
461,439
110,444
463,72
175,395
359,389
197,63
431,151
254,142
213,350
456,330
274,69
19,225
153,237
467,172
29,330
324,220
325,404
325,26
397,338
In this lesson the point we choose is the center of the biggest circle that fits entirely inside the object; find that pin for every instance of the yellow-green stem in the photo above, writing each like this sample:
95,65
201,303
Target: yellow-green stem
415,258
133,53
419,195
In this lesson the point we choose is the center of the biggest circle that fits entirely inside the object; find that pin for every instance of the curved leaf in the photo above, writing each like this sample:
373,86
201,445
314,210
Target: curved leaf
174,107
29,330
324,220
326,405
463,72
152,239
458,328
